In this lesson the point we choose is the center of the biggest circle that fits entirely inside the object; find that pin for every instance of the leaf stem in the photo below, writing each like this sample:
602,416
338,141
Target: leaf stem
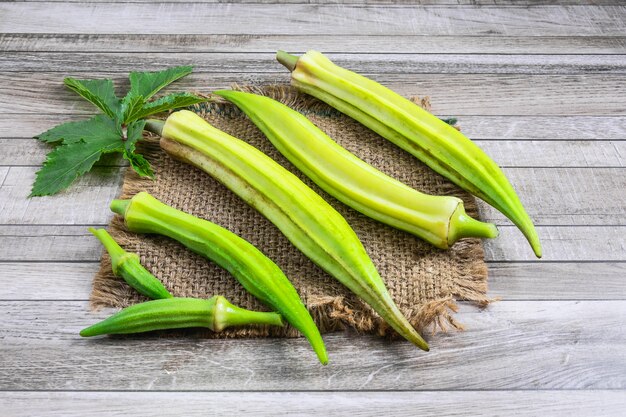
154,126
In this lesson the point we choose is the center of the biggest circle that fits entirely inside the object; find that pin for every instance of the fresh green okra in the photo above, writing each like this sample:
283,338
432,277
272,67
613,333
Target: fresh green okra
216,313
440,220
309,222
439,145
258,274
127,266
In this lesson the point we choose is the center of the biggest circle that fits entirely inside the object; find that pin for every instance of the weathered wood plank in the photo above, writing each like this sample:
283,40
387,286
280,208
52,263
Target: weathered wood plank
572,154
47,280
553,196
513,127
400,404
508,280
265,62
557,281
510,3
360,44
311,19
561,243
456,94
510,345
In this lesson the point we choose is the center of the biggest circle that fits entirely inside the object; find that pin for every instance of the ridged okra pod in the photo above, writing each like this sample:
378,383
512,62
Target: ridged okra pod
258,274
127,266
439,145
440,220
216,313
308,221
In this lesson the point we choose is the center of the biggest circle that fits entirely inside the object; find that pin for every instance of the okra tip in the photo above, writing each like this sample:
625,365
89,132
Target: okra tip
288,60
119,206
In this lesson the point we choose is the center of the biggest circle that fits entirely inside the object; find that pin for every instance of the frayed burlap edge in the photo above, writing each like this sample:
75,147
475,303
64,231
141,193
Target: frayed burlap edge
332,313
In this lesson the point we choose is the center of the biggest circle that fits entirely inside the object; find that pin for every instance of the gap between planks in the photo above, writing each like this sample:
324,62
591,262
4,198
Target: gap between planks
388,63
357,44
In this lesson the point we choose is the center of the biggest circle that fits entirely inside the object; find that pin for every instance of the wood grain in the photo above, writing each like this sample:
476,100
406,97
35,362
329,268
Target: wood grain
522,345
356,44
484,127
560,243
195,18
265,62
455,94
400,404
580,154
553,196
509,280
538,85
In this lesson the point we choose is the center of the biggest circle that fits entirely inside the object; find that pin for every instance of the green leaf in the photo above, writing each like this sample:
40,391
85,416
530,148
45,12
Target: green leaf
169,102
137,161
68,162
99,92
75,131
147,84
131,105
139,164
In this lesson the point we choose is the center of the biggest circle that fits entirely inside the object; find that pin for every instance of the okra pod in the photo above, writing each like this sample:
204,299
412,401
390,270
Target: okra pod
308,221
258,274
216,313
440,220
127,266
439,145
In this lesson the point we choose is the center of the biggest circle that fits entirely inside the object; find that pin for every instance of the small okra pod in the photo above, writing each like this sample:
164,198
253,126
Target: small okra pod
439,145
440,220
127,266
216,313
258,274
303,216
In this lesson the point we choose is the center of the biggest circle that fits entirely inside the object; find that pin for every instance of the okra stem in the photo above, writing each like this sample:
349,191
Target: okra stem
288,60
154,126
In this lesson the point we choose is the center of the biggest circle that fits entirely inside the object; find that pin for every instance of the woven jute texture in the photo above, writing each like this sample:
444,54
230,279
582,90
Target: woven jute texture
424,281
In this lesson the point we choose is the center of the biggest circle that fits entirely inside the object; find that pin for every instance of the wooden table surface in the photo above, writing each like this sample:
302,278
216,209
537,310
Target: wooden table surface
541,87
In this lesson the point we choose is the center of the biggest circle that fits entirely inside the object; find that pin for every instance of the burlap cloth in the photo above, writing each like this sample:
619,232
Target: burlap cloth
423,281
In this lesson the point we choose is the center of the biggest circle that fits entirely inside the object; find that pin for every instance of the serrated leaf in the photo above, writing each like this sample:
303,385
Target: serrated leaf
169,102
139,164
68,162
101,93
147,84
137,161
131,105
75,131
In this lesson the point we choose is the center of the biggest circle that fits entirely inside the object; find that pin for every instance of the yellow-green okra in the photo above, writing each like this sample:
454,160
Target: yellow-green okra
309,222
440,220
439,145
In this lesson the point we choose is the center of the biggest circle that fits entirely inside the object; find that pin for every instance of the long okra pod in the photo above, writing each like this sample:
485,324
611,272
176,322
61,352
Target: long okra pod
216,313
437,219
308,221
127,266
258,274
434,142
